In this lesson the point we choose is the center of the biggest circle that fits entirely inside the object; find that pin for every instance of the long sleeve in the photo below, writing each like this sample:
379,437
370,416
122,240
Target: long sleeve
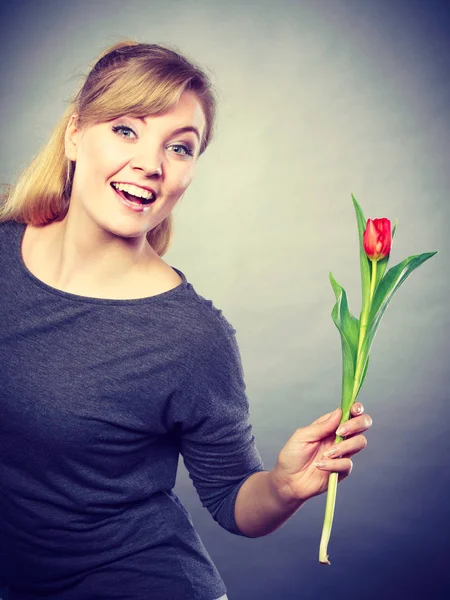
216,438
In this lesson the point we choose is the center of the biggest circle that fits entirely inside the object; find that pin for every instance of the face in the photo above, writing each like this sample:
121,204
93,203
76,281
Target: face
130,172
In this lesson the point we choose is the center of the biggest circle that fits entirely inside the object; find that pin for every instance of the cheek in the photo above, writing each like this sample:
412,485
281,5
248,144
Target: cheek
186,178
97,165
176,182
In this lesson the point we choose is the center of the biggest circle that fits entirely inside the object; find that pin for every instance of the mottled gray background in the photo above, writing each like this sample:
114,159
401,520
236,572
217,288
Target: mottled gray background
317,100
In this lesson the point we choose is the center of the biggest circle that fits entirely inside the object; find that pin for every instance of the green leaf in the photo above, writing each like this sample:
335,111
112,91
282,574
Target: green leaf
385,292
348,327
394,229
363,376
365,262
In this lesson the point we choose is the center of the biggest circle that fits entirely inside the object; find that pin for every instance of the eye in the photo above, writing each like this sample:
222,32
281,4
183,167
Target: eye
182,149
124,131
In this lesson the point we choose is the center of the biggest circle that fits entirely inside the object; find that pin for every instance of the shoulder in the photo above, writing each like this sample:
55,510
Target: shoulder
200,322
213,344
11,226
10,230
202,317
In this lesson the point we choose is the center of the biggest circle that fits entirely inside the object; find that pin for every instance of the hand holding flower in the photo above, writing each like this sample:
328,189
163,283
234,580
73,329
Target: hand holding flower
267,499
303,465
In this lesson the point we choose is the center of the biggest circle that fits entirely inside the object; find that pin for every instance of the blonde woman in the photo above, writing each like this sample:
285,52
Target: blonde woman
111,364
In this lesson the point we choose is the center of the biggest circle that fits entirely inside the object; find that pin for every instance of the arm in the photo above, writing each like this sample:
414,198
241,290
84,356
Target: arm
268,499
259,508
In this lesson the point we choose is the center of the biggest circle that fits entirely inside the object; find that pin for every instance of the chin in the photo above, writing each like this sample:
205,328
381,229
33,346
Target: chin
125,230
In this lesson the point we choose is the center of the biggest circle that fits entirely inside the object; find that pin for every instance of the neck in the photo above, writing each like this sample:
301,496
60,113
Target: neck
88,257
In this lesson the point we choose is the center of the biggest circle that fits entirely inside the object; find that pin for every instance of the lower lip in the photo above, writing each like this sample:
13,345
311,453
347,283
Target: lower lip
131,205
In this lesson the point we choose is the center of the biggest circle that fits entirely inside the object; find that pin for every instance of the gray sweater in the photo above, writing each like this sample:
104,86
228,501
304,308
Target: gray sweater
97,400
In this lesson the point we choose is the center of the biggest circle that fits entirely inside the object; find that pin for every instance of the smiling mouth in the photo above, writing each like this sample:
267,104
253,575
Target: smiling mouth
144,200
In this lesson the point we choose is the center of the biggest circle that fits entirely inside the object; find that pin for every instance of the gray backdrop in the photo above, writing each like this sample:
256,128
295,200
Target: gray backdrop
317,100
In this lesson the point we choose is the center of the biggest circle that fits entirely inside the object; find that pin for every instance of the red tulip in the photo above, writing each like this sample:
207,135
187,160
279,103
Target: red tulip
377,238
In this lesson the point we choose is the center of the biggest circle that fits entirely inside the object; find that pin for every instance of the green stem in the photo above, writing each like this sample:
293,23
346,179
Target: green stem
359,367
373,280
333,479
328,521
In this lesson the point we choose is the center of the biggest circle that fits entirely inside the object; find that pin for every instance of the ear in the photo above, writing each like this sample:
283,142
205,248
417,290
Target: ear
71,137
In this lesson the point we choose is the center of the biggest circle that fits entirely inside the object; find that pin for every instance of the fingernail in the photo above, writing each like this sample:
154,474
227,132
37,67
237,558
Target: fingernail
342,430
319,464
332,451
359,410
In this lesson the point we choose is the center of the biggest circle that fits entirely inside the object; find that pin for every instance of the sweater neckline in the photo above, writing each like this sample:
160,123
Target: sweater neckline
20,232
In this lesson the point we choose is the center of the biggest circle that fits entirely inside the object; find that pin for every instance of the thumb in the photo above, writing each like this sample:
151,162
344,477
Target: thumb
326,416
321,427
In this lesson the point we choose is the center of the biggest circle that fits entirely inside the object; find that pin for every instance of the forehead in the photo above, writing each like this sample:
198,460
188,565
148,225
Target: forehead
187,111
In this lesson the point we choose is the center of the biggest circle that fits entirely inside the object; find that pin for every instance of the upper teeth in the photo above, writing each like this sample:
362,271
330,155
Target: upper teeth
133,189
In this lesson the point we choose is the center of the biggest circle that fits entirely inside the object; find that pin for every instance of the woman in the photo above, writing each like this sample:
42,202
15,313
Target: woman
112,364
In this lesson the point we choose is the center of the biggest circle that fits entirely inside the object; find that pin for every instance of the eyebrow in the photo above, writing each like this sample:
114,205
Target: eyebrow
180,129
186,129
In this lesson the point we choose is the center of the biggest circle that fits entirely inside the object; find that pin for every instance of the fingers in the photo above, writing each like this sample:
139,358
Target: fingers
337,458
357,409
355,426
343,466
321,428
326,416
348,447
328,425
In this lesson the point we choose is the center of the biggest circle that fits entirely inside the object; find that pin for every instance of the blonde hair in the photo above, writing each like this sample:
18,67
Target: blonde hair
128,78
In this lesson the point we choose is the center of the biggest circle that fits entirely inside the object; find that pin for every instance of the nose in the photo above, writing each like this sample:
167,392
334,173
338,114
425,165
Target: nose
148,161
